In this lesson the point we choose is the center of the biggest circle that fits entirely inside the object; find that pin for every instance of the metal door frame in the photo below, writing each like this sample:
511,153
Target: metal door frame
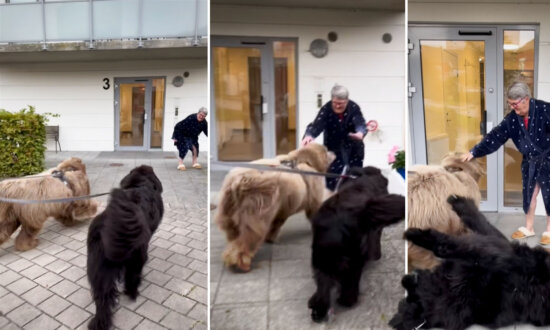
265,44
488,34
148,81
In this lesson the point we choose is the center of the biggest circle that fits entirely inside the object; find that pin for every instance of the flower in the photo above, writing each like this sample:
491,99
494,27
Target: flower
391,155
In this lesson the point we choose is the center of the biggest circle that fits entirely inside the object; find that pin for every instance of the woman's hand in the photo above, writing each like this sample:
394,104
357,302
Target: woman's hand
356,136
467,157
307,140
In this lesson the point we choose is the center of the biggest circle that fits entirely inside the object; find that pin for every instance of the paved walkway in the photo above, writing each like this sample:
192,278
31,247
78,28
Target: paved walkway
46,288
274,294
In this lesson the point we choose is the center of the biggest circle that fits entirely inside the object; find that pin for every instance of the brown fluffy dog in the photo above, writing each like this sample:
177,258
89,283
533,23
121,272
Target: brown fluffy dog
31,217
429,186
254,205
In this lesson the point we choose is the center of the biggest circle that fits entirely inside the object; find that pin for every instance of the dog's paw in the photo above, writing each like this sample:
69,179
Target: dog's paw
270,240
409,281
460,204
420,237
413,234
236,259
319,315
132,294
25,245
347,300
96,324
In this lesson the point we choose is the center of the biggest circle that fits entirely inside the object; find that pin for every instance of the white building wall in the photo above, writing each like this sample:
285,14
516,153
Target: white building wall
74,90
495,11
373,71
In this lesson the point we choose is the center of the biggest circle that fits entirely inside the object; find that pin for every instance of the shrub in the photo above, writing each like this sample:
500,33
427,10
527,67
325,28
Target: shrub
22,142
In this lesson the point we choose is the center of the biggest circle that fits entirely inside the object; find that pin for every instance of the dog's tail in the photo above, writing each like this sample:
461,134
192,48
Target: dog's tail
125,228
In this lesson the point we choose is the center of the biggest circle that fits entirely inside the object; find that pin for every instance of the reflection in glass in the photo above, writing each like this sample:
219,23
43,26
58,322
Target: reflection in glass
132,114
238,101
157,112
453,82
519,59
285,96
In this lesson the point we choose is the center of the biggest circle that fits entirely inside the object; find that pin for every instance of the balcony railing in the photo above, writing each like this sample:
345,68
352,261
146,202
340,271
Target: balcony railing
44,21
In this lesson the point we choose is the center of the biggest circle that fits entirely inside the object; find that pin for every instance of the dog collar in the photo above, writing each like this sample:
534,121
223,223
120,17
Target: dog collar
59,175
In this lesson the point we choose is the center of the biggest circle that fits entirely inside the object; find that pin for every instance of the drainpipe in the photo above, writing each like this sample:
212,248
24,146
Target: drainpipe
196,37
140,21
44,44
91,18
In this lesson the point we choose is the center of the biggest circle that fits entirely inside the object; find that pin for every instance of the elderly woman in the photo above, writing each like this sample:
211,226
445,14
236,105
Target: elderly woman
529,127
186,136
344,128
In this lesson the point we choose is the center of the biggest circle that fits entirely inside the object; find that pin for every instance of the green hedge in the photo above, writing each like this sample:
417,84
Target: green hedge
22,142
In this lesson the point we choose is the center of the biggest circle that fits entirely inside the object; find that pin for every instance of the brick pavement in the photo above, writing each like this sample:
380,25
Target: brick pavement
46,288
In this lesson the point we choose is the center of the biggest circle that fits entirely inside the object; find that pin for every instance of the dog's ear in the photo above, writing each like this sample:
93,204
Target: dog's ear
385,210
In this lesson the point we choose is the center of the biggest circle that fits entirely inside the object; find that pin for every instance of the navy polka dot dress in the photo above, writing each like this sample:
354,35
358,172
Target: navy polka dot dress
532,141
186,133
336,128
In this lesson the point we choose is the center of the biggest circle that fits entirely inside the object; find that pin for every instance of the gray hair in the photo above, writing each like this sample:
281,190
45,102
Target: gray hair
203,110
518,90
339,92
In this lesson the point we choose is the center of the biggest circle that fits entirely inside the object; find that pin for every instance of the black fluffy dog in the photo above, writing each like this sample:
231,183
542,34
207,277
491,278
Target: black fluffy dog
484,279
346,234
118,240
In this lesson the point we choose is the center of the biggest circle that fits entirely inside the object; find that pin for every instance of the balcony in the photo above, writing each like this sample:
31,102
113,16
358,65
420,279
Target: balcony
34,25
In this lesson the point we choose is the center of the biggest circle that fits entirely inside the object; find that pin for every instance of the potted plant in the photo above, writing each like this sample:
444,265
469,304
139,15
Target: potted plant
396,158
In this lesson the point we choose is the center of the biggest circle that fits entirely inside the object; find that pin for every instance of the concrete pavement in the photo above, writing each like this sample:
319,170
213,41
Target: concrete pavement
274,294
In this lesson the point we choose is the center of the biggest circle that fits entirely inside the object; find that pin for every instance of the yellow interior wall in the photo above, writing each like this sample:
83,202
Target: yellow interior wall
159,103
452,105
287,50
432,72
231,85
126,106
520,59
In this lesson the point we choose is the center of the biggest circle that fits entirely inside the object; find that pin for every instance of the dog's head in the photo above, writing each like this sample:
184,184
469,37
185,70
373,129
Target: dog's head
367,176
72,164
141,176
452,163
314,155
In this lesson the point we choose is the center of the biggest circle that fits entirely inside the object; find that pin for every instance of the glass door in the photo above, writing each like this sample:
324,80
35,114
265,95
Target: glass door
139,113
253,98
455,104
518,64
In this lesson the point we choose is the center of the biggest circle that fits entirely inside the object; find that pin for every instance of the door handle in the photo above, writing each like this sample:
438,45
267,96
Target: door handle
261,108
145,116
475,33
264,107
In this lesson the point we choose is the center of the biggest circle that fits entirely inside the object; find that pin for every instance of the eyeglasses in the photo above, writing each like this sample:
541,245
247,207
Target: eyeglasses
339,103
515,104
